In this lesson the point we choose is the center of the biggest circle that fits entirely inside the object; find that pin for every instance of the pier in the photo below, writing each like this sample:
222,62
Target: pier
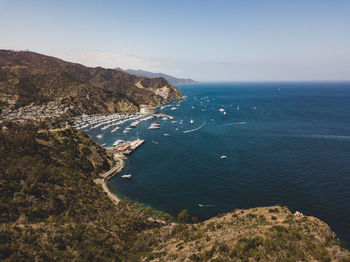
133,146
127,147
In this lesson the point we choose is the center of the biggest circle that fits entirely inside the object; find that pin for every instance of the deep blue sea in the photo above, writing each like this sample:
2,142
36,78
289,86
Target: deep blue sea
288,143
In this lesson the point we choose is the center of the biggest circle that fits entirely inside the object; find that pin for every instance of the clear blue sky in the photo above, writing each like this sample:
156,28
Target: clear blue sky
214,40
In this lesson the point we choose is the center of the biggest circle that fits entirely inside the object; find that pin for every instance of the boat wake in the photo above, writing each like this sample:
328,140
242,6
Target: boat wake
200,205
155,142
236,123
192,130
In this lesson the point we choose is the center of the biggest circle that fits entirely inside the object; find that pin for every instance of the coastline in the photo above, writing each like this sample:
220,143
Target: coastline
117,168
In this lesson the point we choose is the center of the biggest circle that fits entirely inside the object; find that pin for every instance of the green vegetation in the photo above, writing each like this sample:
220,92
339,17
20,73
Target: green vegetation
185,218
51,210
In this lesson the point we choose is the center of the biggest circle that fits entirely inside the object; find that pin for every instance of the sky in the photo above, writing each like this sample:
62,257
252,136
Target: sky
217,40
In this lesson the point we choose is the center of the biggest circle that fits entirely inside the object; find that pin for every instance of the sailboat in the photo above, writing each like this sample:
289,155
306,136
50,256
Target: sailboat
191,121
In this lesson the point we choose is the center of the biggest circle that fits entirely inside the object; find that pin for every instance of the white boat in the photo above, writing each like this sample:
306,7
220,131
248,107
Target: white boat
153,126
191,121
134,124
115,129
173,122
118,142
173,108
164,118
181,121
223,157
221,110
224,113
126,176
237,107
100,136
166,134
104,144
254,107
105,127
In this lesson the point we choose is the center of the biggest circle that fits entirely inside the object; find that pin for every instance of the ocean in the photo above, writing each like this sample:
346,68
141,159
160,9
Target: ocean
285,143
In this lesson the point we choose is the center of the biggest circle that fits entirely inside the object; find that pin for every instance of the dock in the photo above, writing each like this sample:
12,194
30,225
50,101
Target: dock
133,146
127,147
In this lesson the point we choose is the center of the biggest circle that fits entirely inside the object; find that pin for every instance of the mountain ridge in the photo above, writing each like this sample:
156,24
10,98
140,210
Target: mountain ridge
29,77
173,80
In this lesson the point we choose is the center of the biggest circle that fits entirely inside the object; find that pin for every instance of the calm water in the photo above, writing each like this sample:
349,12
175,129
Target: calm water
293,149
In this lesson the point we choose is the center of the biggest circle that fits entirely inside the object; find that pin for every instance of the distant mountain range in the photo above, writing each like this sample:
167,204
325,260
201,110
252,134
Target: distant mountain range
171,79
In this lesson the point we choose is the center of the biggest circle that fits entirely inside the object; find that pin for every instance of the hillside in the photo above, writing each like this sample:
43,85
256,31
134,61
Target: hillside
171,79
51,210
27,77
256,234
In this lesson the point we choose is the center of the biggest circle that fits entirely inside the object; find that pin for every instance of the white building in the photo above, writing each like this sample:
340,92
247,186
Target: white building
147,110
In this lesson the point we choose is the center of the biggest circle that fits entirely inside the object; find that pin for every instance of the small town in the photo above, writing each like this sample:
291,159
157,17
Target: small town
32,111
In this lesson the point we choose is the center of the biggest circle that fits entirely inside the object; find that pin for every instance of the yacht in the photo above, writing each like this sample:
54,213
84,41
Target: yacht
105,127
223,157
118,142
126,176
127,130
153,126
115,129
134,124
221,110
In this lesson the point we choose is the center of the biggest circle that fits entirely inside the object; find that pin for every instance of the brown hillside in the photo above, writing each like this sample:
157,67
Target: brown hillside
34,78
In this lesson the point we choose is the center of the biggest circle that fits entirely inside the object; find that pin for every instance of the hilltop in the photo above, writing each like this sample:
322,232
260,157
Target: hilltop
28,78
173,80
